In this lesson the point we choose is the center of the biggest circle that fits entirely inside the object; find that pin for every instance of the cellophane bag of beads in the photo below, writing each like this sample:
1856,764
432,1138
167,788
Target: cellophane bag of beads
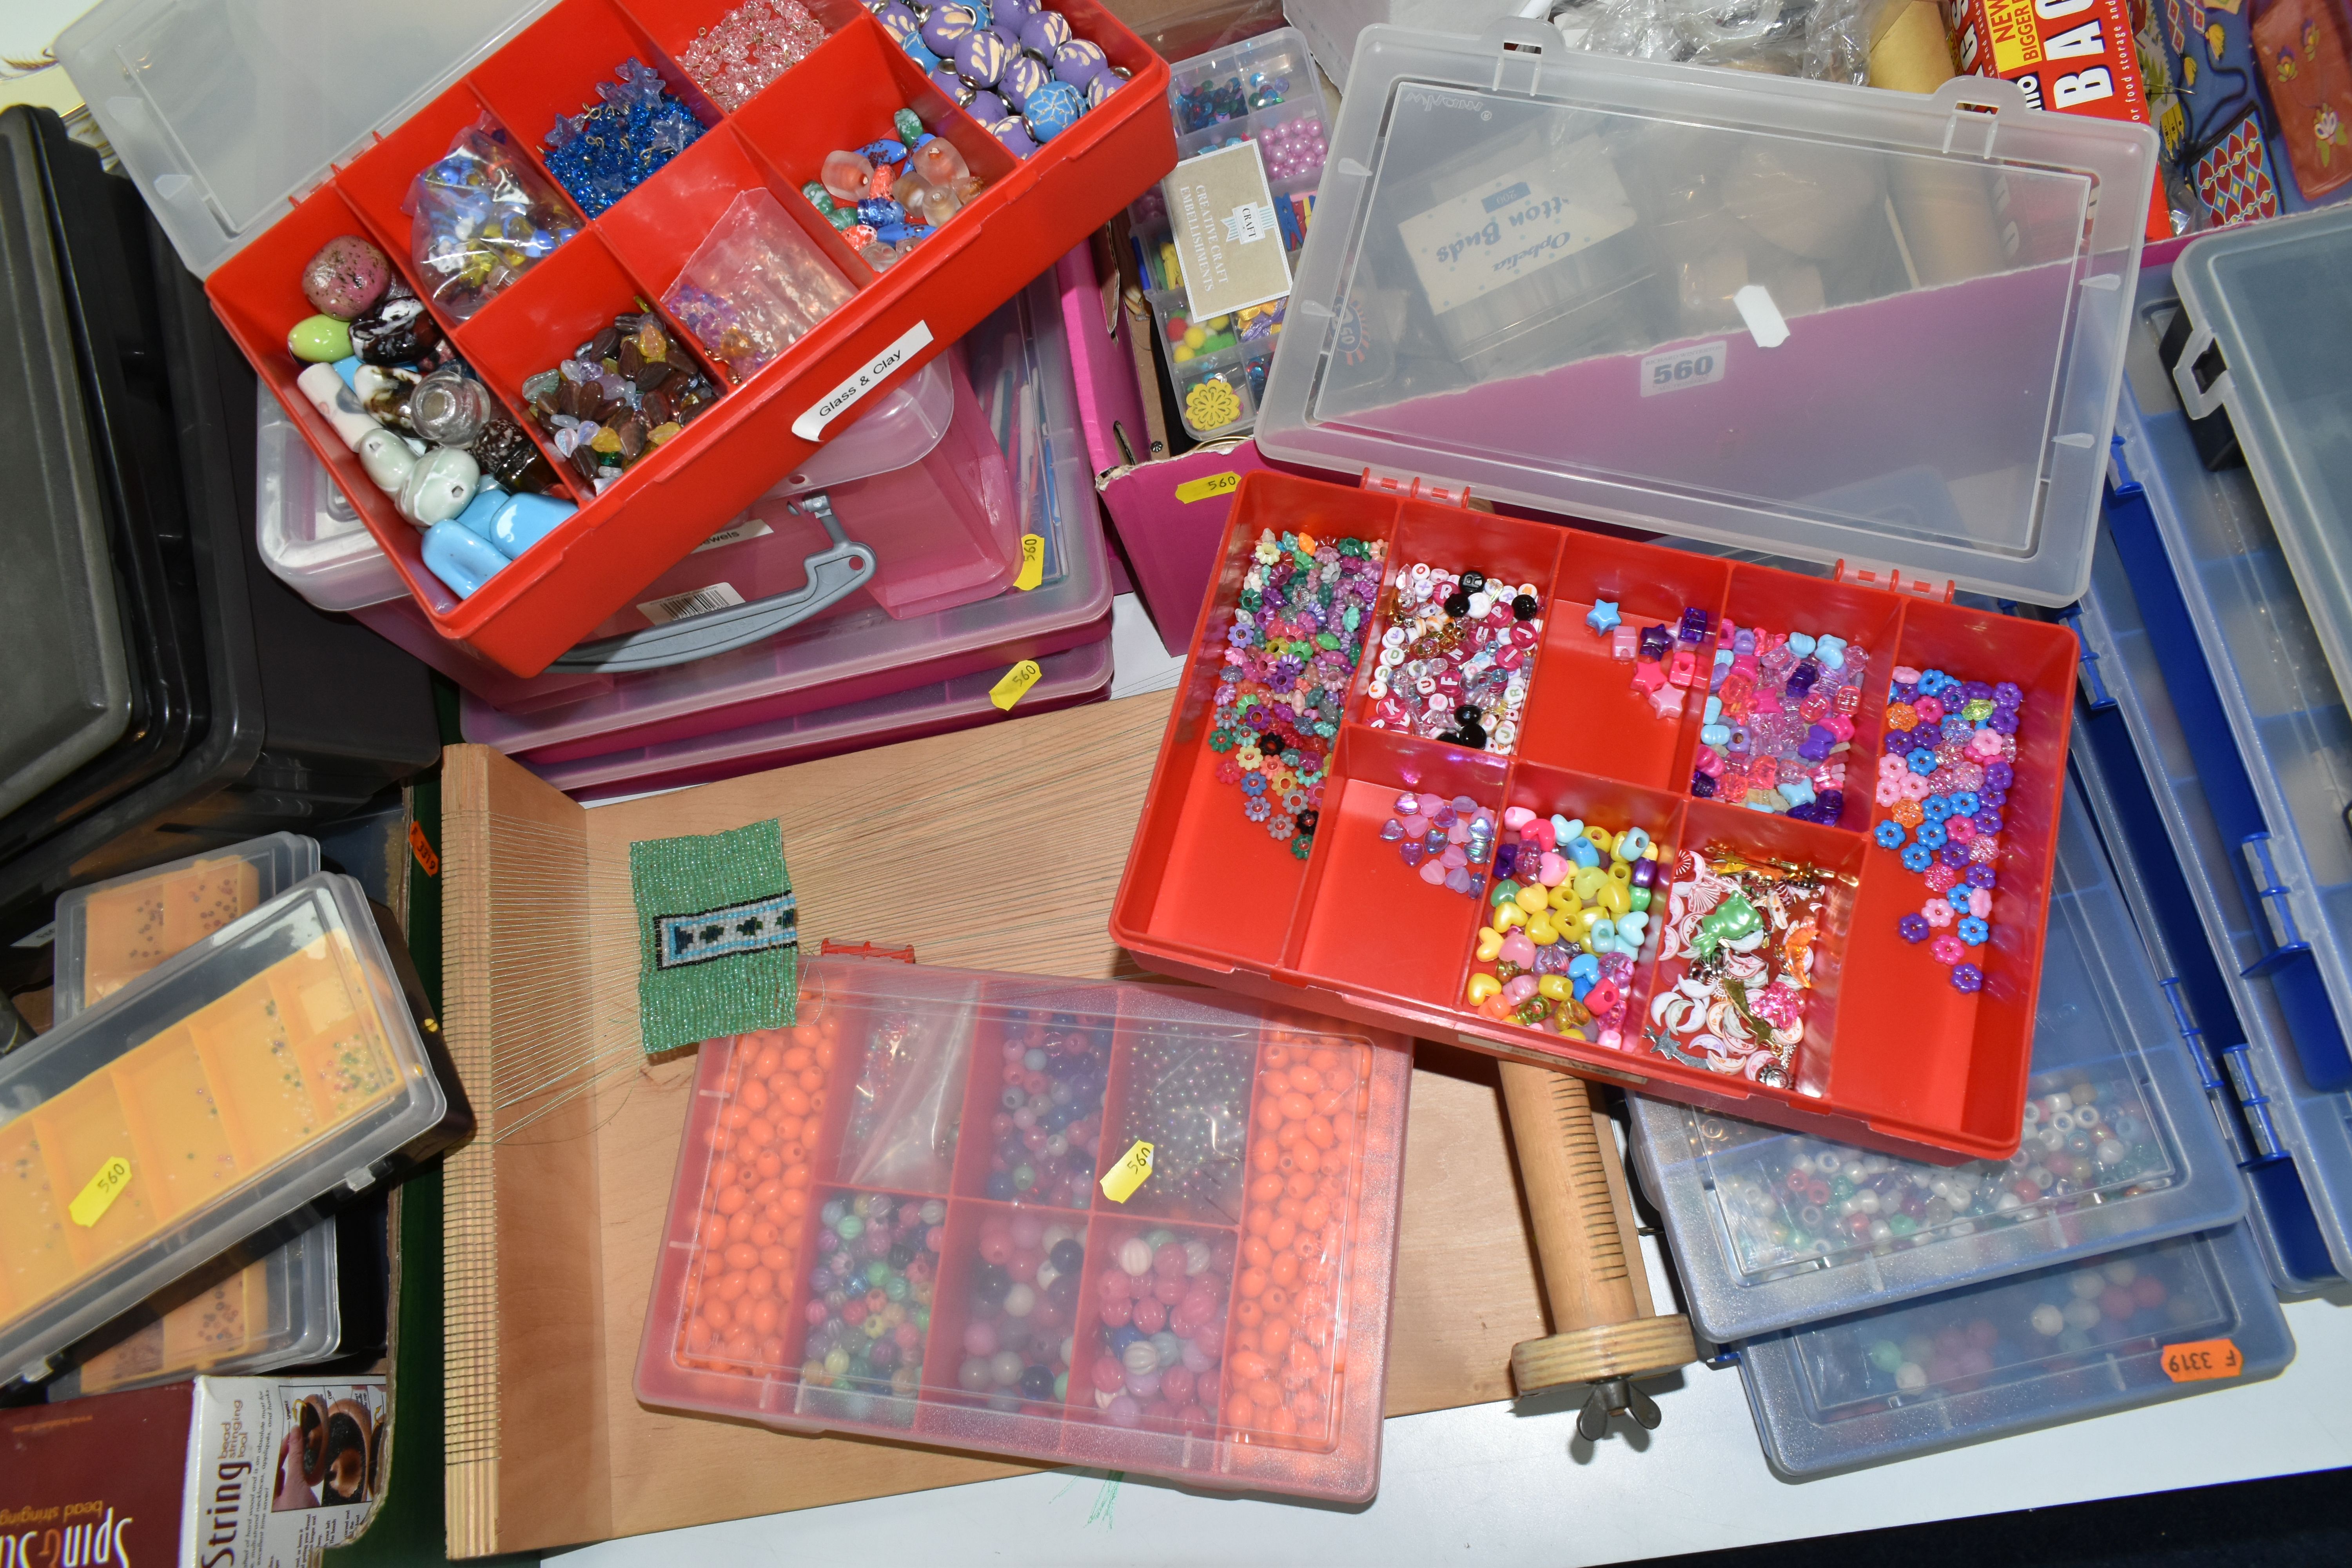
755,286
481,219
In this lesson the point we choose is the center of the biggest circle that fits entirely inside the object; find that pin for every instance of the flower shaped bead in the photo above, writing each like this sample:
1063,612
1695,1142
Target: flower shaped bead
1937,913
1917,857
1967,977
1947,949
1255,808
1889,835
1974,931
1912,928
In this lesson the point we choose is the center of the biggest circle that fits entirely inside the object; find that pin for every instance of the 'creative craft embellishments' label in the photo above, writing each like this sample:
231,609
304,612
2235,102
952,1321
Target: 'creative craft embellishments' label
1128,1173
1228,244
1512,226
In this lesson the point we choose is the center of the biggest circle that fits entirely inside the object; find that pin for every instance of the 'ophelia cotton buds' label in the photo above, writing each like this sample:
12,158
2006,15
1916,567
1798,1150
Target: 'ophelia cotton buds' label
1495,234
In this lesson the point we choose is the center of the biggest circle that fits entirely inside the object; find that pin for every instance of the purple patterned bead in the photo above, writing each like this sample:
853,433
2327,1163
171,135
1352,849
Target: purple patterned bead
1984,877
1999,775
1953,855
1912,927
1967,977
1987,821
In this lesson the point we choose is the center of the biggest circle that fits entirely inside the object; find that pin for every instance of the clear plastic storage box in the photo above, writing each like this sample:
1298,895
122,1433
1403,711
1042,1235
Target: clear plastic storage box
111,933
281,1311
2111,1332
1097,1225
1663,296
273,1064
2245,656
2269,299
1271,96
2299,1136
1019,366
1772,1229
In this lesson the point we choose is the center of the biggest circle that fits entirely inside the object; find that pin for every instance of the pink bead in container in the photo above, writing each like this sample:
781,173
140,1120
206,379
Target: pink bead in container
1183,1265
1020,373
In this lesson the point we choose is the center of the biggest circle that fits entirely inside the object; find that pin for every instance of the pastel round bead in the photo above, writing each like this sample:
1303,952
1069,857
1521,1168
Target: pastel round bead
1052,109
947,26
1044,33
347,276
322,340
980,58
1014,136
1078,61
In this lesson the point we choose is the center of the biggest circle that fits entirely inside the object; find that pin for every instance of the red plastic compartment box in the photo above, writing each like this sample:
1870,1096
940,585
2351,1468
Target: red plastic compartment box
842,95
1894,1057
969,1119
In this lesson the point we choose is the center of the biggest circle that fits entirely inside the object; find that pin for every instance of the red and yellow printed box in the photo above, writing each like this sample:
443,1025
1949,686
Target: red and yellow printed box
2072,56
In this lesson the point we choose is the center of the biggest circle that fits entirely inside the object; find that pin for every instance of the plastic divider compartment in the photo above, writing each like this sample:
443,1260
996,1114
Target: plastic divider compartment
2285,1112
897,1035
2209,571
2014,1355
668,502
1771,1230
1895,1059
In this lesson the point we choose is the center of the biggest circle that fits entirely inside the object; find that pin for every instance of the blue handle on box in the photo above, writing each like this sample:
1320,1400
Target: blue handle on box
2287,962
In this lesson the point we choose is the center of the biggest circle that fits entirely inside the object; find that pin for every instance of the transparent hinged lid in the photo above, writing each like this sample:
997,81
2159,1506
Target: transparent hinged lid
226,113
1831,322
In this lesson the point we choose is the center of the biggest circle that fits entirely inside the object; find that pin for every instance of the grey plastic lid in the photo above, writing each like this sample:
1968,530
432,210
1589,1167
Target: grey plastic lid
226,113
1823,321
67,697
2276,300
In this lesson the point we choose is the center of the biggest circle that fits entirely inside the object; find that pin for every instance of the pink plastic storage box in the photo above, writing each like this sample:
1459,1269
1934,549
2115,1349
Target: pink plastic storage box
1020,371
1073,1308
1083,674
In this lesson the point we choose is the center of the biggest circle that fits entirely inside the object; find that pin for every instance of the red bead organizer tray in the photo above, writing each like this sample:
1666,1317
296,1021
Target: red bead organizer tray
1894,1056
787,1123
842,95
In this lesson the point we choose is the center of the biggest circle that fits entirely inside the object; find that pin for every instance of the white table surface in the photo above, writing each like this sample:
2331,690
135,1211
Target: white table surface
1498,1486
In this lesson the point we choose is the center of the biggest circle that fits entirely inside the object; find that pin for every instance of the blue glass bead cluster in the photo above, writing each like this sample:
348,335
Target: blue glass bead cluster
1949,763
615,145
1211,103
1047,1128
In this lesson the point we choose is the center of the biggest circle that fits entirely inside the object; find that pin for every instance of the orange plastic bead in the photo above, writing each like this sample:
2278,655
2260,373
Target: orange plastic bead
1306,1080
1278,1234
1283,1269
1295,1105
1248,1313
1251,1283
1256,1253
1269,1112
